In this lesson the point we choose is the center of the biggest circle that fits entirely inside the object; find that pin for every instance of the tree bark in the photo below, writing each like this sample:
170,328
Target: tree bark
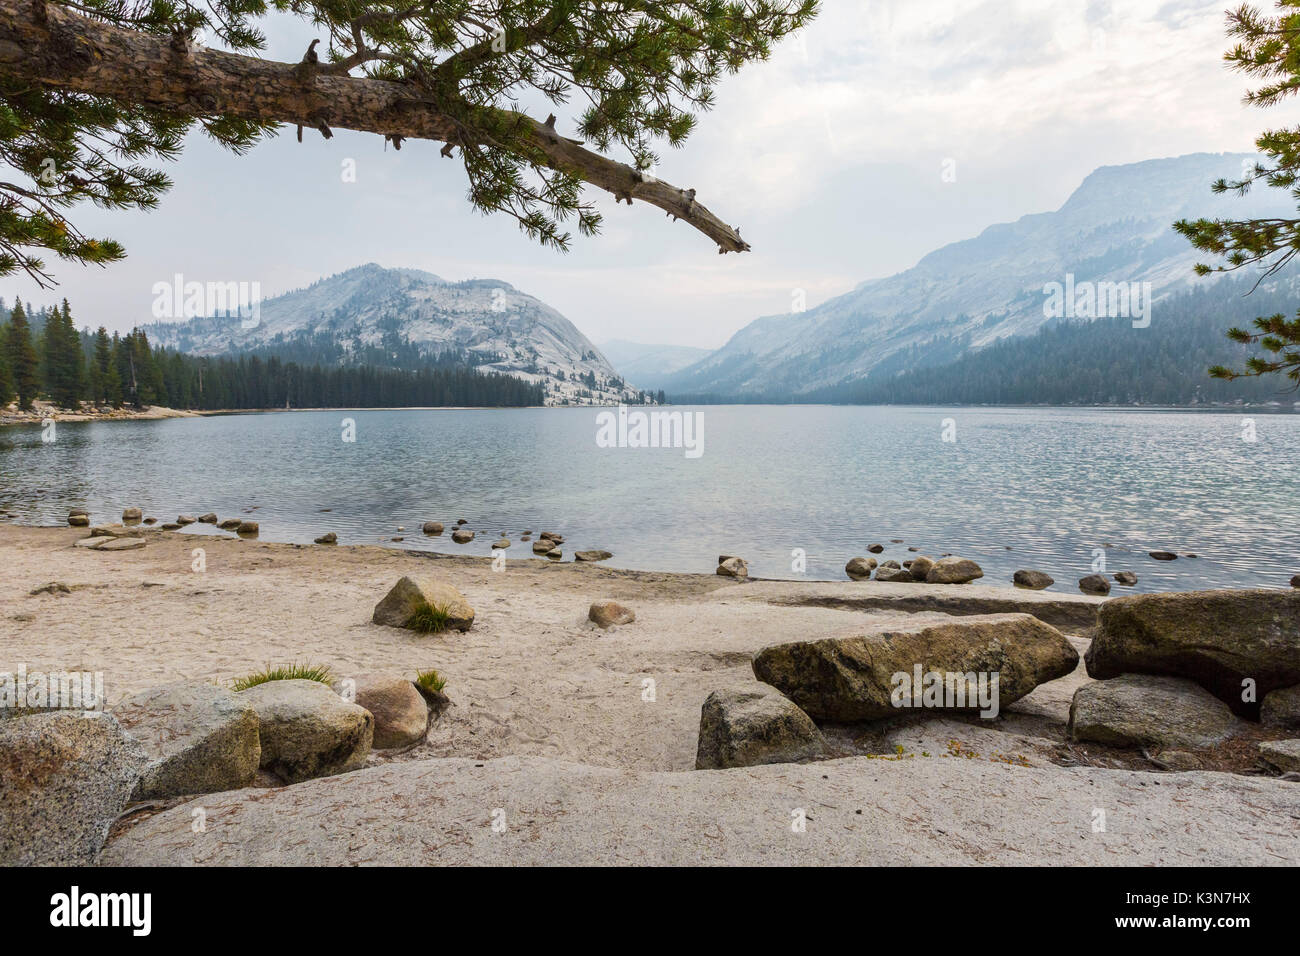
48,44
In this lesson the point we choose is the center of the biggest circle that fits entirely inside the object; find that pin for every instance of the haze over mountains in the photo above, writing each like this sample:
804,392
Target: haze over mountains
1116,227
403,317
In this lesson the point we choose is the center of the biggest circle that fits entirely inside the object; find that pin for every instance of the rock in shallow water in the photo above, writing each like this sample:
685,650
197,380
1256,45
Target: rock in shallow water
461,536
1144,710
307,730
1094,584
432,527
1032,580
1216,638
888,574
859,569
592,555
853,678
733,568
755,724
64,779
952,570
200,738
1126,578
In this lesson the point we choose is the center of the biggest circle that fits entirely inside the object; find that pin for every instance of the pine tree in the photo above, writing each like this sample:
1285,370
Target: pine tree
64,365
643,70
23,362
6,377
1267,48
107,385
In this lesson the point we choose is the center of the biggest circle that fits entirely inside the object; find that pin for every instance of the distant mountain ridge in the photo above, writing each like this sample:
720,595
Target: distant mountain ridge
648,366
399,316
1116,227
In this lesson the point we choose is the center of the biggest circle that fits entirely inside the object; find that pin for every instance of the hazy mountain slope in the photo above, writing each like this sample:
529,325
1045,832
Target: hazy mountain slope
647,366
1115,227
498,327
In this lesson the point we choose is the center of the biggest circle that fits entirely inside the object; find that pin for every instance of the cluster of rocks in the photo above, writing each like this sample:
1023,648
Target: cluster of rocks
1187,671
1176,675
70,774
132,517
920,569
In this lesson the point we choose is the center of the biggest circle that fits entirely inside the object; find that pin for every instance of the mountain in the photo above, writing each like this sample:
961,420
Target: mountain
1116,227
406,318
647,366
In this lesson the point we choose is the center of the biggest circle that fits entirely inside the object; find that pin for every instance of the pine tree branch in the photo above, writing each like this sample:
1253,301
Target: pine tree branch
65,50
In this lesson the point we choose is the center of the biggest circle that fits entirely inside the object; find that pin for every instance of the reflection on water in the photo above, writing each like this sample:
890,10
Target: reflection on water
1038,488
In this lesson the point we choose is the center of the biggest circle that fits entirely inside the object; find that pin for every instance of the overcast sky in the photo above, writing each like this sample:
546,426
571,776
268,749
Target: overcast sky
829,157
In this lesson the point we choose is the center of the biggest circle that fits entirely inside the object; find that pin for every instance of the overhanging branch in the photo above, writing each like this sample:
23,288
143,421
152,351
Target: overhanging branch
51,45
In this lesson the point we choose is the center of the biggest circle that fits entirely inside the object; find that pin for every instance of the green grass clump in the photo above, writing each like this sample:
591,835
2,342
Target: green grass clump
430,680
290,672
429,618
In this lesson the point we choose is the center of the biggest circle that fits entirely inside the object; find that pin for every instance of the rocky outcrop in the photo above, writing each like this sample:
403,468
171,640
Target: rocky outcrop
199,738
610,613
400,711
1032,580
1217,638
409,594
752,725
1281,708
853,678
307,730
953,570
1282,754
64,779
1144,710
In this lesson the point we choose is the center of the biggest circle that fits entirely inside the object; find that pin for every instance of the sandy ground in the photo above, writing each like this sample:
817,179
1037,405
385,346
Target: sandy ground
585,739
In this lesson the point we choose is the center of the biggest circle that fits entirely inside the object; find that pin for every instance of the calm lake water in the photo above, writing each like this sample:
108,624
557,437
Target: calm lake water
1017,488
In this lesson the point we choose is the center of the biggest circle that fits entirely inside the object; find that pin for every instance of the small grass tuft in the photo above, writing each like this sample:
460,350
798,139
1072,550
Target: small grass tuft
429,618
430,680
290,672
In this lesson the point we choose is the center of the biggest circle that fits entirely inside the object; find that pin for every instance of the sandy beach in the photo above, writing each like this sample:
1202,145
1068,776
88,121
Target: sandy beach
553,720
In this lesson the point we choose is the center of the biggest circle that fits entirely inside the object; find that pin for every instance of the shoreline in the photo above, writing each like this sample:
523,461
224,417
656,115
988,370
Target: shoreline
551,719
11,417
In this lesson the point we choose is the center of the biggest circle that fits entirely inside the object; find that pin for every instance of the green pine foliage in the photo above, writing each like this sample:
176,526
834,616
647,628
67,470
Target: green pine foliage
24,365
63,359
1266,48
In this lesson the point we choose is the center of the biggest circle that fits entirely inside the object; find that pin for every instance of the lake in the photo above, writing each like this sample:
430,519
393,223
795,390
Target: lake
1053,489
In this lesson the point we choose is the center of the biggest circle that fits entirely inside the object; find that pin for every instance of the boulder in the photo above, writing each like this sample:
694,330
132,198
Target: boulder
307,730
171,526
230,524
952,570
132,514
555,554
734,568
185,519
1281,708
920,566
400,711
1032,580
875,548
461,536
1094,584
209,518
1282,754
1126,578
79,520
1144,710
500,543
895,575
752,725
64,779
542,545
852,678
557,538
890,563
1295,581
329,537
593,555
150,520
859,569
1163,555
249,528
432,527
1216,638
406,595
199,738
609,613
